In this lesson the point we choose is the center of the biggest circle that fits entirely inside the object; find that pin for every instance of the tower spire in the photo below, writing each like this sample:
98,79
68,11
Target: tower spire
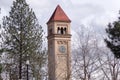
59,15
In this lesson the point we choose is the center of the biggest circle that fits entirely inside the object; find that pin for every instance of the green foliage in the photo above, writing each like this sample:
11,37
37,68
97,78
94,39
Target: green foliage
22,37
113,41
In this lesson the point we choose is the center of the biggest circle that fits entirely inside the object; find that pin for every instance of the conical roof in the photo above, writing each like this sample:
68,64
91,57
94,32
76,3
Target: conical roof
59,15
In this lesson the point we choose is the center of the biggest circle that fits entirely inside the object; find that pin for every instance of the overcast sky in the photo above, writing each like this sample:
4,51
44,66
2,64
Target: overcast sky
90,13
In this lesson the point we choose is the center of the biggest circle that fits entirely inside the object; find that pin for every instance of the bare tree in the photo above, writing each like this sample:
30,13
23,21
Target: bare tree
110,66
85,55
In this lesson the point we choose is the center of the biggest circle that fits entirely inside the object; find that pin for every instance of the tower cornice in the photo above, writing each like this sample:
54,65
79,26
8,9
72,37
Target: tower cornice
59,36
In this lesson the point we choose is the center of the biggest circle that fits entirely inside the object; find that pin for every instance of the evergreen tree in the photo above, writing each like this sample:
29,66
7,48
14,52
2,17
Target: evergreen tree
0,56
22,40
113,40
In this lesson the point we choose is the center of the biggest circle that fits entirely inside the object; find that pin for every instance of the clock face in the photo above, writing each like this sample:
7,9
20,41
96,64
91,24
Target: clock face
62,49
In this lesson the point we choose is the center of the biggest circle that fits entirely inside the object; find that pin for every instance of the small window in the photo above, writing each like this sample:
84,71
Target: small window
58,31
62,30
50,31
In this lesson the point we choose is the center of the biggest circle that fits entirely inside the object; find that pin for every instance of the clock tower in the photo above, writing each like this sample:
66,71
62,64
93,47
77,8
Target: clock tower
59,46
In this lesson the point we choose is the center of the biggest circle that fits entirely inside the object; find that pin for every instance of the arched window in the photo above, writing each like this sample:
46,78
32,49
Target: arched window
62,30
50,31
58,31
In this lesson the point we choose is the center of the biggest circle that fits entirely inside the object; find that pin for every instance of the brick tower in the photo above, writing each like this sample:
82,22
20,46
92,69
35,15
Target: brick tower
59,46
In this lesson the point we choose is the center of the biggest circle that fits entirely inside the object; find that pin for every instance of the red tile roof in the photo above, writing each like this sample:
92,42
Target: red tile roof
59,15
